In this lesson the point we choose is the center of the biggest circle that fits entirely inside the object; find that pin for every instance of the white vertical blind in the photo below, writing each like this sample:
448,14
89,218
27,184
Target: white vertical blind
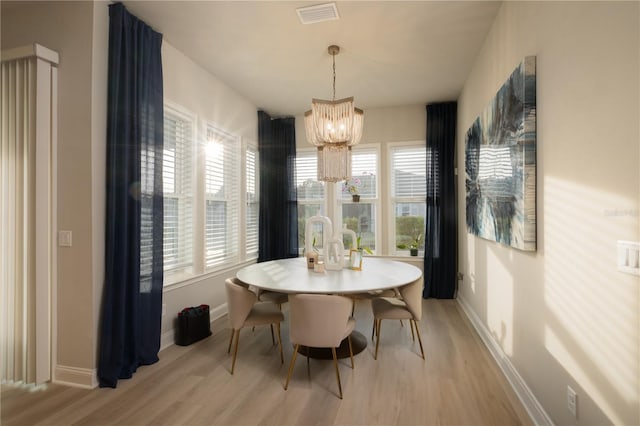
252,197
222,183
28,87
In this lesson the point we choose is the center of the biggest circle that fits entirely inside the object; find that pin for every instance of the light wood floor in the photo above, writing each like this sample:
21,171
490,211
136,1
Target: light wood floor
458,384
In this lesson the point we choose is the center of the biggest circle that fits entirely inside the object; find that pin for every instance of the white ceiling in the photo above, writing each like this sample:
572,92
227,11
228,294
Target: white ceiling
392,52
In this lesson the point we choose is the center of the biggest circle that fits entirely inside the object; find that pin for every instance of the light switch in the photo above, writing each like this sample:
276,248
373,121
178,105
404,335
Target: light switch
64,238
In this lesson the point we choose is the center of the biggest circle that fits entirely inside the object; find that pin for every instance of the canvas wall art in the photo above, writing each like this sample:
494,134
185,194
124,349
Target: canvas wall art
500,164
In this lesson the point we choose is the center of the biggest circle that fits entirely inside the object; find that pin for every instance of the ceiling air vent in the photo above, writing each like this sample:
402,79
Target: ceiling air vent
318,13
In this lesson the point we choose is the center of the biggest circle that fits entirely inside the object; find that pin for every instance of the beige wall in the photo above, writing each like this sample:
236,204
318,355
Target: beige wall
67,28
78,31
564,315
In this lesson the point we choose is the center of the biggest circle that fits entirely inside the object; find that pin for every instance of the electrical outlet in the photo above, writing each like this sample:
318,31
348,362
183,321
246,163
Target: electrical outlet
572,401
460,276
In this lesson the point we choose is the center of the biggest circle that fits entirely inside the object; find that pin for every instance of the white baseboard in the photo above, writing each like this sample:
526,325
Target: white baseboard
528,399
168,337
78,377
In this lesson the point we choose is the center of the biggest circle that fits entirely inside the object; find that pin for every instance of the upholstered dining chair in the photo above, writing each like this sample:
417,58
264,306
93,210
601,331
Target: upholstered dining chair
319,321
243,312
273,297
408,307
370,295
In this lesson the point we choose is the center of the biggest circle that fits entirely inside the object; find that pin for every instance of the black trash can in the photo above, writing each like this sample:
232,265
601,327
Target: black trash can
193,325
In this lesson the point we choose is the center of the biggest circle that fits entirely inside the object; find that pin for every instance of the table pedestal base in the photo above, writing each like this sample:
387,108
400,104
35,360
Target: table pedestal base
358,344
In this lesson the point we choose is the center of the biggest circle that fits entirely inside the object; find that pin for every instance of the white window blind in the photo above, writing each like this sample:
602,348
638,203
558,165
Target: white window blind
178,190
253,206
310,192
361,217
222,183
408,174
408,192
364,169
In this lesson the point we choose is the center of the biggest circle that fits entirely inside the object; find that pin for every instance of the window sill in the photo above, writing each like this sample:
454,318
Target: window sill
179,280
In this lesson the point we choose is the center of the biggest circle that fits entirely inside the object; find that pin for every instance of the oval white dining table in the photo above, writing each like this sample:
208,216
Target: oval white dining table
293,276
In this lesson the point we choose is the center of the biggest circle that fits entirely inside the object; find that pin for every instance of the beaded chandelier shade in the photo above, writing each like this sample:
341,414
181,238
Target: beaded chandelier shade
334,127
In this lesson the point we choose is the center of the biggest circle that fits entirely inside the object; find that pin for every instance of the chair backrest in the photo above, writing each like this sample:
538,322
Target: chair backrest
412,296
240,300
318,320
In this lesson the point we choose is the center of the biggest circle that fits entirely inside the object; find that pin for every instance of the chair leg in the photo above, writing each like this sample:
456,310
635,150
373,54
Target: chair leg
415,323
235,351
291,364
335,363
273,340
373,329
378,323
413,337
231,340
280,343
350,350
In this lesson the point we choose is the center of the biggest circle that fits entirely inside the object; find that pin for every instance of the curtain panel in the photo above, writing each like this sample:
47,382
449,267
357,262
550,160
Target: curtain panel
440,254
278,222
132,298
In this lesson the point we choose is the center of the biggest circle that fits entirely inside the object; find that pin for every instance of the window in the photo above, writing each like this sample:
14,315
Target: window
222,197
360,216
210,217
310,193
408,193
252,200
178,190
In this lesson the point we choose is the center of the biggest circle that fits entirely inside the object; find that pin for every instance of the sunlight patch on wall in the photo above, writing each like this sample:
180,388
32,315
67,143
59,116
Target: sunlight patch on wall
500,304
592,316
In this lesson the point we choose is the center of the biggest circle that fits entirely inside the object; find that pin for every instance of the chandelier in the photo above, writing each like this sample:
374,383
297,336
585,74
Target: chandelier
334,127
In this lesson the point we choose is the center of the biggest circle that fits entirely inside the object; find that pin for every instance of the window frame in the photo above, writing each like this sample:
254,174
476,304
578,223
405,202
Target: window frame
321,202
237,168
250,145
174,275
392,200
198,268
374,201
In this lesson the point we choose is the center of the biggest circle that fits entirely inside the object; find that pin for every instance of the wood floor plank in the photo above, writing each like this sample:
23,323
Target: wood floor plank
457,383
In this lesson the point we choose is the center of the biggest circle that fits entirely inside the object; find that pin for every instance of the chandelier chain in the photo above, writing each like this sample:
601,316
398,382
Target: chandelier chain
334,76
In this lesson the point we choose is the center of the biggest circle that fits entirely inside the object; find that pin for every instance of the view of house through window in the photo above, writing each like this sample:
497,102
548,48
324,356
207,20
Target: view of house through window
360,216
310,195
408,195
403,184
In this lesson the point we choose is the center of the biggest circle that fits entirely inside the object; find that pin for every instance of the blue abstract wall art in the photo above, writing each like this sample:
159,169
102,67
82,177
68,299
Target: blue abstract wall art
500,164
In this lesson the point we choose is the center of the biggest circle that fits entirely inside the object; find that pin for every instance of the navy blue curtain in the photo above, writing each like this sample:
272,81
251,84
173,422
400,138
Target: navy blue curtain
278,199
132,297
440,254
